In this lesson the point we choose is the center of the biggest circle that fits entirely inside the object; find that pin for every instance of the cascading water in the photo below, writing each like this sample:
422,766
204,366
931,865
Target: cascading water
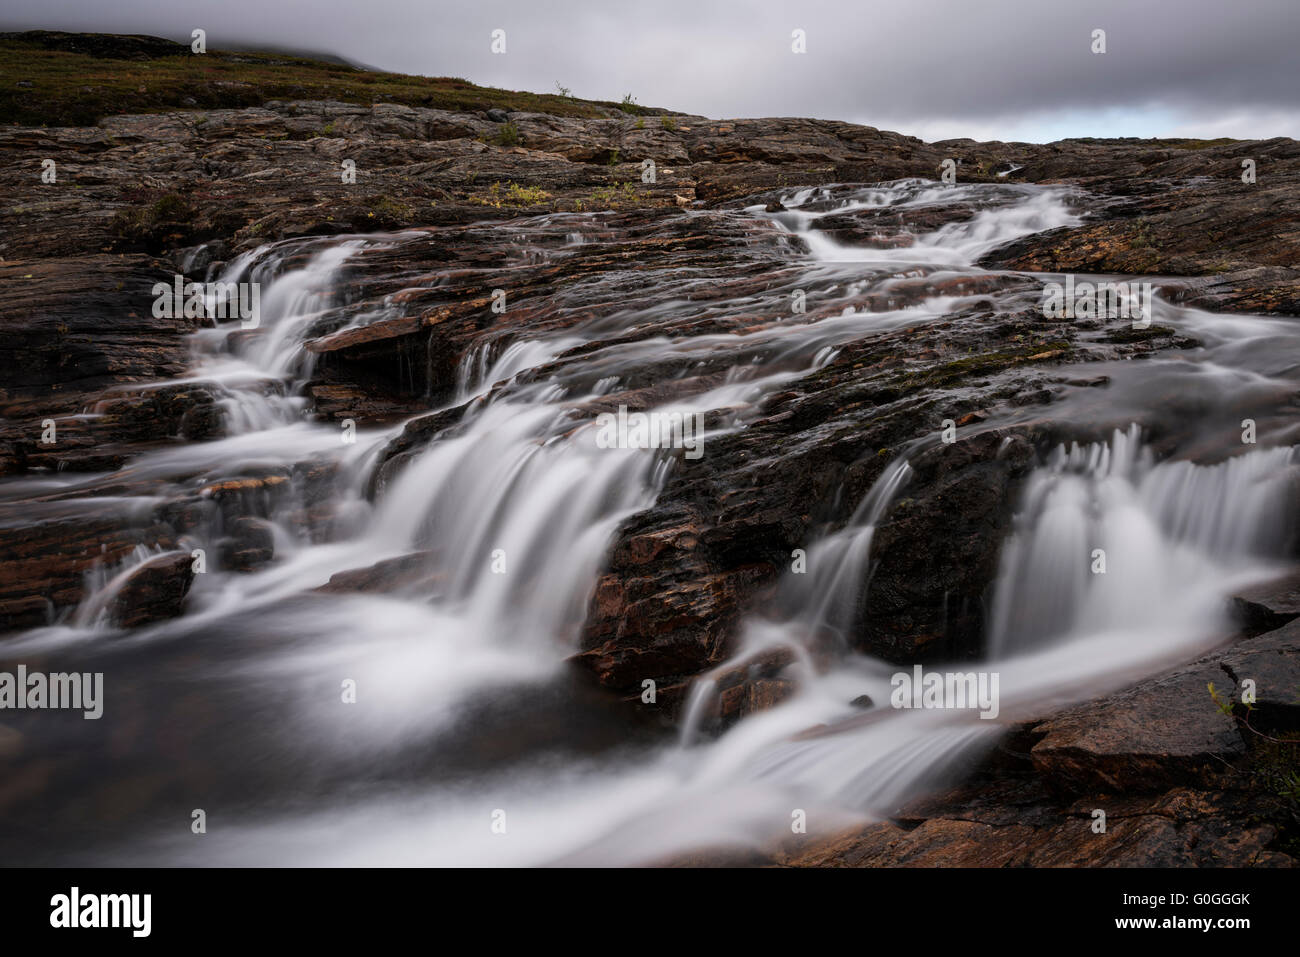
1159,541
813,604
510,511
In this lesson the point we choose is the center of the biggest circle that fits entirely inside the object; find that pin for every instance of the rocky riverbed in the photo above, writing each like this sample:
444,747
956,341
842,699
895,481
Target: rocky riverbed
816,290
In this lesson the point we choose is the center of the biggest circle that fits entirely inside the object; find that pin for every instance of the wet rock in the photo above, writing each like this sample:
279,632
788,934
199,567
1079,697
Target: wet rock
392,574
1169,730
1271,663
29,611
886,228
1268,606
926,603
1209,224
1009,826
1161,733
249,544
155,591
48,549
754,684
71,330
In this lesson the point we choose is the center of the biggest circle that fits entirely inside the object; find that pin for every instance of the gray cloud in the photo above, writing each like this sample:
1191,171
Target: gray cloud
996,68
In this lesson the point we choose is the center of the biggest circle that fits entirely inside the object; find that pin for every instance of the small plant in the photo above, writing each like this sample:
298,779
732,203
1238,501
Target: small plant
165,220
564,91
629,104
1274,766
391,209
612,197
518,195
512,194
613,157
668,123
1224,705
640,122
328,128
508,135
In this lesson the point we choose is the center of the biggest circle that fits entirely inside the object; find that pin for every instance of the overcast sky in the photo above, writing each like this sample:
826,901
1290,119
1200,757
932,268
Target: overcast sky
989,69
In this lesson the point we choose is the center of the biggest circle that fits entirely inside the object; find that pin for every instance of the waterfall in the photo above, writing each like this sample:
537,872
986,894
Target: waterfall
818,600
1109,538
507,512
104,583
259,377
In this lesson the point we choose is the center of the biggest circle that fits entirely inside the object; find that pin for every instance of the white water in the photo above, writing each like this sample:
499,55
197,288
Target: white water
1168,535
522,479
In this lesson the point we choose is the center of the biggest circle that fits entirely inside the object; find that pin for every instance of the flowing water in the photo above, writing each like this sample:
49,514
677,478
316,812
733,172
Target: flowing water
464,705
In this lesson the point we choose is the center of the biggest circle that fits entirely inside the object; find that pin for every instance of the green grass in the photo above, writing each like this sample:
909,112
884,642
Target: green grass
75,89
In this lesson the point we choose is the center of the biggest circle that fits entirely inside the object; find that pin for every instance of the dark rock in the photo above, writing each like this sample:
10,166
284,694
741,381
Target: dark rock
393,574
1271,663
1162,733
1008,827
1268,606
1168,730
48,549
926,603
249,545
155,591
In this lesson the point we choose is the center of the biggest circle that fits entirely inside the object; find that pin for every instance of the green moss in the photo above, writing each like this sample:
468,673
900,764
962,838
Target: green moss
1131,334
155,224
985,363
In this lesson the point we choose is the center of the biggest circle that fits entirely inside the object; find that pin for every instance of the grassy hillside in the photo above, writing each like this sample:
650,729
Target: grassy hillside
62,79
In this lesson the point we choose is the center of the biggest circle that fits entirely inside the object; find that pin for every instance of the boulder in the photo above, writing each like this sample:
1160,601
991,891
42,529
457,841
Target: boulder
154,591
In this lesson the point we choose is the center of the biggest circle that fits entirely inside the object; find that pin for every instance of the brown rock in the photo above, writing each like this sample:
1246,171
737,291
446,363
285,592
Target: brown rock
155,590
1158,734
